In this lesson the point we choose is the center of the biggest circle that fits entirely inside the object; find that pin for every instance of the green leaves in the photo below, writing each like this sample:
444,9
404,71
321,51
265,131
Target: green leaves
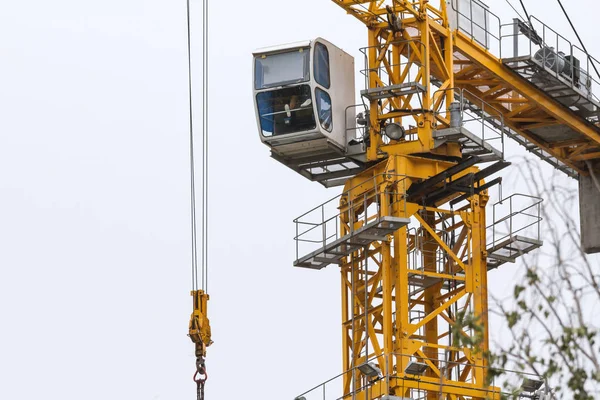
532,276
518,290
512,318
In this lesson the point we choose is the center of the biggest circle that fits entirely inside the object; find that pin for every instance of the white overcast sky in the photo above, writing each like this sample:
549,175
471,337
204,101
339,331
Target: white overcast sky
94,213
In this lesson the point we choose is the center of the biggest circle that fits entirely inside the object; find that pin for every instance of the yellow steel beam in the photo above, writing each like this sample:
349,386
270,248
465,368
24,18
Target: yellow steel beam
587,156
531,138
430,316
442,244
491,63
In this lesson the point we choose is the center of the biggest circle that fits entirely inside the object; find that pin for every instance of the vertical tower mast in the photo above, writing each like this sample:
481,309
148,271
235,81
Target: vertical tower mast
406,293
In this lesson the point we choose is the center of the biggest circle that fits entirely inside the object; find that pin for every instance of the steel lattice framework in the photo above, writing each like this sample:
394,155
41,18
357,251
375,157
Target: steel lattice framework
406,295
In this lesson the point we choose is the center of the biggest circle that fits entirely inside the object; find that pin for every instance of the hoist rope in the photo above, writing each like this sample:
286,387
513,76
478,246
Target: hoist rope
199,278
514,9
192,160
526,13
578,38
205,152
199,273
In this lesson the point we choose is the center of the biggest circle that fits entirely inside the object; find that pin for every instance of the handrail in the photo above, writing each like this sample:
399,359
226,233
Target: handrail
335,197
486,12
347,191
557,46
531,218
366,70
499,37
485,109
570,45
309,224
357,127
319,392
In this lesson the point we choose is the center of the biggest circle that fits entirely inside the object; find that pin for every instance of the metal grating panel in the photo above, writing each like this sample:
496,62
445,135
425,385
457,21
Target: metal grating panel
333,252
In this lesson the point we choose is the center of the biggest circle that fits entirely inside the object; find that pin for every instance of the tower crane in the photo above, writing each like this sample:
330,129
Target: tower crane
445,83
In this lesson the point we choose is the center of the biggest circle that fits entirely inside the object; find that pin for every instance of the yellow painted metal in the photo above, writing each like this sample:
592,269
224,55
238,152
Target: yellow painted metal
455,60
390,318
513,90
404,298
199,329
420,294
408,53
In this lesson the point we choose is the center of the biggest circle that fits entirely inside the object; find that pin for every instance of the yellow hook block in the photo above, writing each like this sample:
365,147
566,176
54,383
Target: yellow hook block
199,330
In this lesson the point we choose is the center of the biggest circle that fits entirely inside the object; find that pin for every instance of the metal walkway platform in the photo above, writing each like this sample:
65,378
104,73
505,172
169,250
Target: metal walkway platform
531,147
328,165
416,278
573,94
471,144
511,249
387,92
333,252
570,93
504,252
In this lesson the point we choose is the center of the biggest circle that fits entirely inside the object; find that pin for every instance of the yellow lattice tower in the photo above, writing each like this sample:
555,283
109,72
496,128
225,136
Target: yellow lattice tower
411,231
405,293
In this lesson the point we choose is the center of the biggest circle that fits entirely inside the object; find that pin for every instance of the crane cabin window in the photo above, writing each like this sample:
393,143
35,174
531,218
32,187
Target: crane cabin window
285,111
322,75
324,109
280,69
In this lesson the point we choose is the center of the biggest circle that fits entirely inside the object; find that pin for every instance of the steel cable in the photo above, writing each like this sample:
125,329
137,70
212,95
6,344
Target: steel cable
515,10
578,37
199,279
194,249
526,13
205,148
200,376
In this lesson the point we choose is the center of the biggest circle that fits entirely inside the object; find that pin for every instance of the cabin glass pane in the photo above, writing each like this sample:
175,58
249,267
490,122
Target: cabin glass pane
282,69
285,111
322,75
324,109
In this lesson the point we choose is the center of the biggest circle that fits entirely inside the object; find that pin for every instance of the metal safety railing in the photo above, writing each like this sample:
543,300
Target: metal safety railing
479,116
474,18
516,215
532,39
435,255
359,114
382,383
357,206
408,65
550,50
